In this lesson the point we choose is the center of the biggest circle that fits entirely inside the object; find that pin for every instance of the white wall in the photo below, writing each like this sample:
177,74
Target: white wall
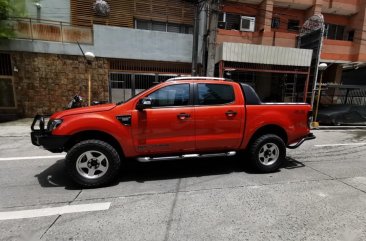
57,10
116,42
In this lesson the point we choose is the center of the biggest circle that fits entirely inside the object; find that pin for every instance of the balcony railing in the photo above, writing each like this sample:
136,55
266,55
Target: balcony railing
39,29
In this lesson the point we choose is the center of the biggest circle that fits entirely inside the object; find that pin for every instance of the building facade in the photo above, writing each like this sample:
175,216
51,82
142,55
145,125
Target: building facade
261,27
137,44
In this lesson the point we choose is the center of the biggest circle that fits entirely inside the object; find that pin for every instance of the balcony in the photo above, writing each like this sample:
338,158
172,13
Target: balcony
38,29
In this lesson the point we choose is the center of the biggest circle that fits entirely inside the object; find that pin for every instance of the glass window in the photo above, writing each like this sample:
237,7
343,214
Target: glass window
163,26
293,25
158,26
351,35
175,28
334,31
275,22
233,21
142,24
215,94
173,95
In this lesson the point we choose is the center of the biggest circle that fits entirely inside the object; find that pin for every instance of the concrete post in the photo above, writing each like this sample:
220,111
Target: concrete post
214,15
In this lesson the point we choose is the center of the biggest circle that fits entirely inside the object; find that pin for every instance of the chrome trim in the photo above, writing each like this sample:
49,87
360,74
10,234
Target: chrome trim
165,158
196,78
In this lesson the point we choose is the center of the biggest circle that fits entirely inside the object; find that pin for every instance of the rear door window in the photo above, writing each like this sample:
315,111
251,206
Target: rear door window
215,94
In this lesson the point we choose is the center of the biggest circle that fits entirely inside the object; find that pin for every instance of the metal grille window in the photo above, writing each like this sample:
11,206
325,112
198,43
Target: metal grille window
124,86
162,26
7,97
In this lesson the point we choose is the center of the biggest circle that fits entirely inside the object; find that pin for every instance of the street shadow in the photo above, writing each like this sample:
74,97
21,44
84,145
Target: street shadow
56,176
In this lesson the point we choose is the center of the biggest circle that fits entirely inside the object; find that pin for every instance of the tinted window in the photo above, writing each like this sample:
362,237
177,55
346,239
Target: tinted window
215,94
173,95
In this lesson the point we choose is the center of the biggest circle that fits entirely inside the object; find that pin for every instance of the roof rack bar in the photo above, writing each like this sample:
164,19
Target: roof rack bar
194,78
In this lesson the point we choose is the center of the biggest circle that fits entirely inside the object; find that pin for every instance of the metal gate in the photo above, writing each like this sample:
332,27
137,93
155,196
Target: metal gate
123,86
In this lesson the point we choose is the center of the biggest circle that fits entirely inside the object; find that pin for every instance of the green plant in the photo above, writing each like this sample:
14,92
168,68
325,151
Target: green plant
8,9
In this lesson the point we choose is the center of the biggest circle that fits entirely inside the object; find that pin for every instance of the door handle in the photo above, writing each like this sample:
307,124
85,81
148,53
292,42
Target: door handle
231,113
183,116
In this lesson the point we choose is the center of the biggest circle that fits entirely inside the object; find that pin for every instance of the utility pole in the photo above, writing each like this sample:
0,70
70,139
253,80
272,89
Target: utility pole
195,39
214,17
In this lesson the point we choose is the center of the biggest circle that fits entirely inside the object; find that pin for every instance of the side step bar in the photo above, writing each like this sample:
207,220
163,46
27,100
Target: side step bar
166,158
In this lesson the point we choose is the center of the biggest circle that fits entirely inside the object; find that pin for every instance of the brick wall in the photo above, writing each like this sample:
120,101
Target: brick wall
45,83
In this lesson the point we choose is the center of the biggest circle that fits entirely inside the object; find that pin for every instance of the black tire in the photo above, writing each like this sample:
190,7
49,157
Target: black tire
99,157
267,153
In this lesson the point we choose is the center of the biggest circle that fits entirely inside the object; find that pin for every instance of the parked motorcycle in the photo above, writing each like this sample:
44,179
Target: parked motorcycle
76,102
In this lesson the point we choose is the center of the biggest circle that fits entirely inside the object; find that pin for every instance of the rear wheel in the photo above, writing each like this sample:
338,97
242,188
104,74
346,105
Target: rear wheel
93,163
267,153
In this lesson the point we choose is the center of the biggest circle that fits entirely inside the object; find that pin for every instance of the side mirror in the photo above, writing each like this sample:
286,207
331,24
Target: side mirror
144,103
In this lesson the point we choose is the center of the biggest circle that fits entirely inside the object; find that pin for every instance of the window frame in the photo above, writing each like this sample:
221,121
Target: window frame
190,99
196,95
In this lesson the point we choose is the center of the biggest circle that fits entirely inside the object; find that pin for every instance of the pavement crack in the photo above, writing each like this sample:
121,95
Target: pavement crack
338,180
50,226
77,195
170,221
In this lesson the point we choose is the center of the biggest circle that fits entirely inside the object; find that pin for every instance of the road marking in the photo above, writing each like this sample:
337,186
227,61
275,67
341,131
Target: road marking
347,144
43,212
31,157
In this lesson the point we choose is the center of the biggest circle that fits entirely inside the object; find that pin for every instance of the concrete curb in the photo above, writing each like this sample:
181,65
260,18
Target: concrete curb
340,128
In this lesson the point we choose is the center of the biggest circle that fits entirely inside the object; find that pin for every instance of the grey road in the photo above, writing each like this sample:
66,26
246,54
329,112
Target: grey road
320,194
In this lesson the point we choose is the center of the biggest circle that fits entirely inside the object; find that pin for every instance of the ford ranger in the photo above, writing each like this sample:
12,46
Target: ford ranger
184,117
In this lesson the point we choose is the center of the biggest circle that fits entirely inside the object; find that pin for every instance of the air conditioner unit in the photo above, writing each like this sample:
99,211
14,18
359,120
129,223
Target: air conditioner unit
247,24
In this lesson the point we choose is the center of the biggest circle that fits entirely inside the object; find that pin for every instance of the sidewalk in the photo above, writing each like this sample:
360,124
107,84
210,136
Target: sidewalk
18,128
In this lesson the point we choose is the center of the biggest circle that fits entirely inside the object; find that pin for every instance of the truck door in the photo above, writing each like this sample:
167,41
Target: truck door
167,127
219,116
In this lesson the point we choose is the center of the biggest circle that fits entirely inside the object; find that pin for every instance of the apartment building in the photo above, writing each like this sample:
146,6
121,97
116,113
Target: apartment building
256,40
136,44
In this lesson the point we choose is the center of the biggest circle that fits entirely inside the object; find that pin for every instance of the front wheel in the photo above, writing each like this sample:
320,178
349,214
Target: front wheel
267,153
93,163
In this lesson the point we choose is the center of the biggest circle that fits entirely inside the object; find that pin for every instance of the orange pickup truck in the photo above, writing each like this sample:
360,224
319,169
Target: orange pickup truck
185,117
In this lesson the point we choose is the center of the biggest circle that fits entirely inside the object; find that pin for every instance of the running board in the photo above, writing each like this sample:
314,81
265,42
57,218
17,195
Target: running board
166,158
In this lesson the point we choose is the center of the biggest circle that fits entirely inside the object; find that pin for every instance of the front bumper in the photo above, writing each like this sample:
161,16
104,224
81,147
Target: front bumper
42,137
310,136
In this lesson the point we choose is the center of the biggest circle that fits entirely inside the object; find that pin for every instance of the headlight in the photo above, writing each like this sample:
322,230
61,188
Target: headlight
53,124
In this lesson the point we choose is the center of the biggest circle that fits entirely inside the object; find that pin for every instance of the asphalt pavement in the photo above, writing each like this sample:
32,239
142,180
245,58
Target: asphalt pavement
319,194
